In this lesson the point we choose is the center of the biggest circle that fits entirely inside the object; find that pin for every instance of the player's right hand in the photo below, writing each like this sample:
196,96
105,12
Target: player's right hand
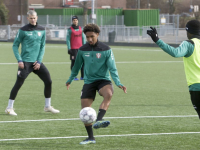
153,34
21,65
123,88
68,85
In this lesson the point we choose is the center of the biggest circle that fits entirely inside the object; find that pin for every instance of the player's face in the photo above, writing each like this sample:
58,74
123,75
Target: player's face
32,19
91,37
189,36
75,22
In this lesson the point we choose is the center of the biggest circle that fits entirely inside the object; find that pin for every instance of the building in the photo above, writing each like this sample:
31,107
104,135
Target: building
17,8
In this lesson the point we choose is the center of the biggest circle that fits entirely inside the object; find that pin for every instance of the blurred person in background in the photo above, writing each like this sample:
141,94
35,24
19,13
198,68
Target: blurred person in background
75,39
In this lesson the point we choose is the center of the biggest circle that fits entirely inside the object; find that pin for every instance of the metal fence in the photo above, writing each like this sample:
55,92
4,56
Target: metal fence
112,29
61,20
65,20
109,33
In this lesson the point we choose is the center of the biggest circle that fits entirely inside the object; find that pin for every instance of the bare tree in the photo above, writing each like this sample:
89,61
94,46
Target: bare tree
165,6
85,5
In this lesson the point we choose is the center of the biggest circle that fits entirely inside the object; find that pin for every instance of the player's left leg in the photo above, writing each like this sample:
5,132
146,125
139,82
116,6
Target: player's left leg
90,140
107,92
44,75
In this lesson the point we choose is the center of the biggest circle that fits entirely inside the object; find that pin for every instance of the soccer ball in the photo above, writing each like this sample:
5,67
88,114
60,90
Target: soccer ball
87,115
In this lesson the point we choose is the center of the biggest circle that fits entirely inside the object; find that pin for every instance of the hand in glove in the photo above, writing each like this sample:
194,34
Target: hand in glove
153,34
69,51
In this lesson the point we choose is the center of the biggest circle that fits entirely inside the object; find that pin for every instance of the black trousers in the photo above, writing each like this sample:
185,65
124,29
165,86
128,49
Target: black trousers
195,98
42,73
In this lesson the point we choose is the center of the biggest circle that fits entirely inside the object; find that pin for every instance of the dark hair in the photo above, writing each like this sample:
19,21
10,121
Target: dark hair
91,28
193,27
74,17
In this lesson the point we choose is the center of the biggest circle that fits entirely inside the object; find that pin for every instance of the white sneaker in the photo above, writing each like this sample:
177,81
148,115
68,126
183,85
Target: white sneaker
51,109
10,111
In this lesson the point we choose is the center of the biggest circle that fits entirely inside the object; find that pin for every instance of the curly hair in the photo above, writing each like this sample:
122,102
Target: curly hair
91,28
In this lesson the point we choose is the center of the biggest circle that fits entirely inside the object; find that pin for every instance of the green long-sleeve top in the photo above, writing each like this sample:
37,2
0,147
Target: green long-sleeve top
68,38
98,62
185,49
32,40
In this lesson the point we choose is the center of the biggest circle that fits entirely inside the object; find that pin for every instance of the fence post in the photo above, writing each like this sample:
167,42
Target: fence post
8,28
60,20
87,19
122,19
116,28
128,35
101,20
47,19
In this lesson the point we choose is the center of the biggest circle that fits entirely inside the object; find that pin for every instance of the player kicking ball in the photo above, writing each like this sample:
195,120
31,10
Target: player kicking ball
98,62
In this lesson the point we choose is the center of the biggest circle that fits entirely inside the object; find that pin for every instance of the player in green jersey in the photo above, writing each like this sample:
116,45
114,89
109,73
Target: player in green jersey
75,39
32,40
99,64
190,51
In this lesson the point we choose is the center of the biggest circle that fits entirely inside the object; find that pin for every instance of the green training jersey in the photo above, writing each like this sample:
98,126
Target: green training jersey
32,40
99,64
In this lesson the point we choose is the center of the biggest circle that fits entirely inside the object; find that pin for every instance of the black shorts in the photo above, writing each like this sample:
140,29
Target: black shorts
73,54
28,68
89,90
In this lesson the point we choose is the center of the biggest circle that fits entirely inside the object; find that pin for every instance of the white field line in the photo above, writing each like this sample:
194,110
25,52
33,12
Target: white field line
122,62
129,49
132,49
122,135
132,117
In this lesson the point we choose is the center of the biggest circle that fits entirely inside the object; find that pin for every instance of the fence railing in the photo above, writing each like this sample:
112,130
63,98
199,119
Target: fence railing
66,20
109,33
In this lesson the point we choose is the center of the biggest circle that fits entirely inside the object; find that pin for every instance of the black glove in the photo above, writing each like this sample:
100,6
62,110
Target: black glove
153,34
69,51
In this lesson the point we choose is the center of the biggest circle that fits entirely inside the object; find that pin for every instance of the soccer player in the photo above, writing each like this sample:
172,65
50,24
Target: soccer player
190,51
75,39
32,40
98,61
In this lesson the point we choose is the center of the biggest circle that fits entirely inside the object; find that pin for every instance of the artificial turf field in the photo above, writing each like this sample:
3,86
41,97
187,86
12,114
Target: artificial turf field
155,114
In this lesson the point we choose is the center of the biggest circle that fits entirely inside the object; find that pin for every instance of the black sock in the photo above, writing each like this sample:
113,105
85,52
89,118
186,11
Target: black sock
90,132
101,114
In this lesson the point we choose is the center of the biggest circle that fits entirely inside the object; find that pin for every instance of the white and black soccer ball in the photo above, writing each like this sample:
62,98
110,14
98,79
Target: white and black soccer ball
88,115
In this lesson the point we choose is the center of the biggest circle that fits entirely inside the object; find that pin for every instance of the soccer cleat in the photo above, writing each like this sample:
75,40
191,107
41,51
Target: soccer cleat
81,78
51,109
76,79
87,141
10,111
101,124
